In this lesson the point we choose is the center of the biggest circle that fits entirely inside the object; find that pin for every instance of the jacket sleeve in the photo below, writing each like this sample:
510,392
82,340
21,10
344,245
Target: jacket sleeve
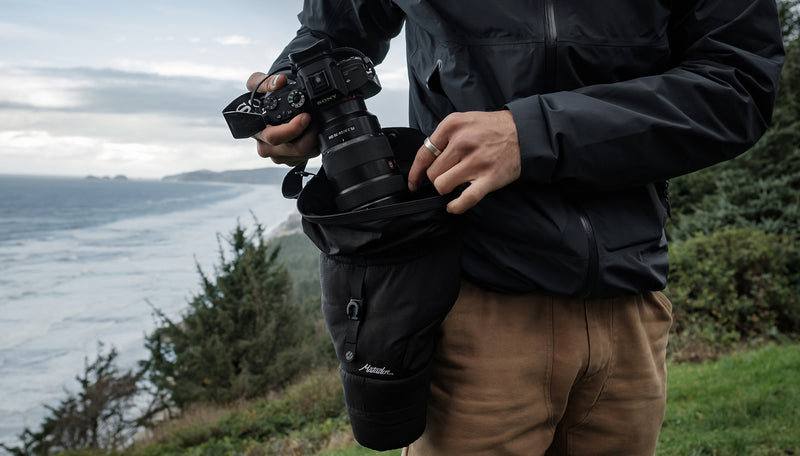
713,104
366,25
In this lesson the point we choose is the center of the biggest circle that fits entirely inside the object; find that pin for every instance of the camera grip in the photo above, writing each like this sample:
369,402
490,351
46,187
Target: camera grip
248,114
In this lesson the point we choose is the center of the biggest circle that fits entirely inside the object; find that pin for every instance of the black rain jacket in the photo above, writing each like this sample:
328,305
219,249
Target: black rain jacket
610,100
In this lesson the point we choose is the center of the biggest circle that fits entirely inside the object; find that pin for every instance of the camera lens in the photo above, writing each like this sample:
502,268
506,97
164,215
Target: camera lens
358,158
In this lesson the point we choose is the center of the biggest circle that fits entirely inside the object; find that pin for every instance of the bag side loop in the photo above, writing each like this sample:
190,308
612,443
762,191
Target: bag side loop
355,313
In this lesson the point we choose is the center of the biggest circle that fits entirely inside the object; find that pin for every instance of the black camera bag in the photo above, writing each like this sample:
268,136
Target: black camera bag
389,276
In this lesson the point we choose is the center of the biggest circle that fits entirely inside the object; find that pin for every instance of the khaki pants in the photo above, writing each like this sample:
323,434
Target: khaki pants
540,374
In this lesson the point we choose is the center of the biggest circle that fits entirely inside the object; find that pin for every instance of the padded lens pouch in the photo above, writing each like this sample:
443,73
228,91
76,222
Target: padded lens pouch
389,276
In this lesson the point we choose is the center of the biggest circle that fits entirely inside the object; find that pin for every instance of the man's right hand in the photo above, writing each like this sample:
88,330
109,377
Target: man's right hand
290,143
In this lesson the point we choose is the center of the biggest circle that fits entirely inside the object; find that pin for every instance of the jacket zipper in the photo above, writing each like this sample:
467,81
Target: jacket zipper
550,37
593,268
551,54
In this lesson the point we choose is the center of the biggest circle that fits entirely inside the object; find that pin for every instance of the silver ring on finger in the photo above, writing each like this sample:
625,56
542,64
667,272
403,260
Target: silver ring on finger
433,149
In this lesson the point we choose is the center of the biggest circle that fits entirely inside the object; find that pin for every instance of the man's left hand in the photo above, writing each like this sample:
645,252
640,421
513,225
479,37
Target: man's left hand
481,148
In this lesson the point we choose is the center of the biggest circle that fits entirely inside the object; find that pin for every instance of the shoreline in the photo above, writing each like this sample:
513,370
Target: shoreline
65,291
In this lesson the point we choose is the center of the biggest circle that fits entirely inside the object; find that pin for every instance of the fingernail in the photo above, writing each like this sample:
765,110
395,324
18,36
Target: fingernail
273,81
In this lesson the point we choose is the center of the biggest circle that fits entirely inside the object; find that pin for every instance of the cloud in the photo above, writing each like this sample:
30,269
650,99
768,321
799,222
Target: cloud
393,78
49,146
75,121
391,107
116,91
186,90
104,121
45,153
32,87
178,68
14,31
36,150
234,40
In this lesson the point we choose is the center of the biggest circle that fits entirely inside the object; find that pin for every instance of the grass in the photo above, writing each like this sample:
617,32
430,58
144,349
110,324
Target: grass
306,418
744,404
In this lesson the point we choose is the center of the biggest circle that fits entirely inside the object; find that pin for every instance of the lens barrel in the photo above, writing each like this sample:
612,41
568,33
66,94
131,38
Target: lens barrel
358,158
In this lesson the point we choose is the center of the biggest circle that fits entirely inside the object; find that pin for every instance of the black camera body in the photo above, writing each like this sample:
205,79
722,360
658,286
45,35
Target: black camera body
331,85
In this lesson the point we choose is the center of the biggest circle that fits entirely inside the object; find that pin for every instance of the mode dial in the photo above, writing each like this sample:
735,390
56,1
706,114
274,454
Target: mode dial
296,99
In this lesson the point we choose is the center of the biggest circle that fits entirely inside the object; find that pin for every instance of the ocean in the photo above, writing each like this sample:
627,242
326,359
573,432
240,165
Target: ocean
83,260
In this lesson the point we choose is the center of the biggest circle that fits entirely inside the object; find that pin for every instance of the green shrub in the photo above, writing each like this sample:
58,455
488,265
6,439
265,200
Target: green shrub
300,257
761,188
734,286
241,336
101,417
301,421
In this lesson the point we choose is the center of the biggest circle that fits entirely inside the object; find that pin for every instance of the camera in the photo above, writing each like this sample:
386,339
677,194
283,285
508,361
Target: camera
331,84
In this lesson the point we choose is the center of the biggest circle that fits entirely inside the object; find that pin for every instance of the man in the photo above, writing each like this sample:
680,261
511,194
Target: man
566,119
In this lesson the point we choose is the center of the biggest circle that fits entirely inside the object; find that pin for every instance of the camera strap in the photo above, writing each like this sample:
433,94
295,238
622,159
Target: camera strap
293,181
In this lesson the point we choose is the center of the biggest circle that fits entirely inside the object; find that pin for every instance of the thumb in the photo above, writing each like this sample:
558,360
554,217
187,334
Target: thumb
265,83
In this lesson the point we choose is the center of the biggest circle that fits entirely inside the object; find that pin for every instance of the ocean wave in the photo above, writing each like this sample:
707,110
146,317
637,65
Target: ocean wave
64,292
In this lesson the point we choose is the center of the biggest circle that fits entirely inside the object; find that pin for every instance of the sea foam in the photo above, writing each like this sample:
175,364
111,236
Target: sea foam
63,293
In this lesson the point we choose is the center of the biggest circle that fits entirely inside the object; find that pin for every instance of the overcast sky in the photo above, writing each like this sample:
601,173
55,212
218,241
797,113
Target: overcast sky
137,88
